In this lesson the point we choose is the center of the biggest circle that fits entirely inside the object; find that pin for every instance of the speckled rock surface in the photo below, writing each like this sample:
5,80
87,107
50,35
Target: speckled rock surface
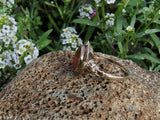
48,89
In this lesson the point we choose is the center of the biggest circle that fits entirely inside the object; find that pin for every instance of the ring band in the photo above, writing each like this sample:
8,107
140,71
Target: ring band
91,65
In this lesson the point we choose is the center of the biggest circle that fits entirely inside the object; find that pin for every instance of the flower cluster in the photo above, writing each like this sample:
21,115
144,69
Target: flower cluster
5,59
97,2
7,3
110,1
26,49
86,11
107,1
70,39
23,50
8,30
13,53
109,19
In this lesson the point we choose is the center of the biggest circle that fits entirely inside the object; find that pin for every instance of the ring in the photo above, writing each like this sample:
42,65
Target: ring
84,59
91,65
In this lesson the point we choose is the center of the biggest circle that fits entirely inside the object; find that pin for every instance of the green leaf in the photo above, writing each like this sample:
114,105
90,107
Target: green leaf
73,11
148,50
150,31
157,68
49,4
140,34
120,48
157,21
89,33
140,63
145,41
53,23
43,41
45,35
135,56
133,20
144,56
156,41
86,22
43,44
119,23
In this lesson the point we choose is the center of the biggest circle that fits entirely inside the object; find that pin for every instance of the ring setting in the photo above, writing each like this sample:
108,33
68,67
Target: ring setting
84,59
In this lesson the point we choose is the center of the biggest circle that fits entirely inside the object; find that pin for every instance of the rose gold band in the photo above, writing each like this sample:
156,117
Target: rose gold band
95,69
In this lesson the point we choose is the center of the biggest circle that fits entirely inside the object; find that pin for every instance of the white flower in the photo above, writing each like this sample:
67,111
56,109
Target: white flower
66,34
123,11
1,34
35,53
70,30
109,23
6,40
11,1
68,48
14,39
12,20
109,15
28,44
16,58
86,10
2,64
129,28
64,41
97,1
110,1
22,41
22,46
6,54
74,45
80,42
6,29
11,34
28,59
112,15
14,29
8,3
109,19
7,57
70,40
17,65
8,62
21,50
64,48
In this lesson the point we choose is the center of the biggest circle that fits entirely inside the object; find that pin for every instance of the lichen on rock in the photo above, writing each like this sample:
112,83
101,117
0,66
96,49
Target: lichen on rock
49,89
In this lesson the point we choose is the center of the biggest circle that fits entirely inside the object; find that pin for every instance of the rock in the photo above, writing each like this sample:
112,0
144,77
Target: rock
49,89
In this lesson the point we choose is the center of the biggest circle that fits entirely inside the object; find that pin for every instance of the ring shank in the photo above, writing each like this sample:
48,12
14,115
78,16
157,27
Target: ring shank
94,68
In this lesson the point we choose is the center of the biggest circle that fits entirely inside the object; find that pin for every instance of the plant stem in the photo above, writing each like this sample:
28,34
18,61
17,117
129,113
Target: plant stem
155,15
103,28
59,10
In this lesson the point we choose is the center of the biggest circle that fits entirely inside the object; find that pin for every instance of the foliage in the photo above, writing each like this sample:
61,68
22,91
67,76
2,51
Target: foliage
140,43
14,53
107,29
17,47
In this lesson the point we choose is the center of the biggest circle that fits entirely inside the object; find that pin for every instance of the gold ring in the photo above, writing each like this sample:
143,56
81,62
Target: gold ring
84,59
91,65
